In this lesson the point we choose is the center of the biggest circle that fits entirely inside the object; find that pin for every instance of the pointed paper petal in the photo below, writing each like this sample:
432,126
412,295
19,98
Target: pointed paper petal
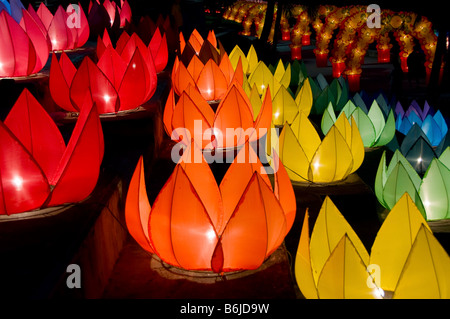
394,240
23,185
79,167
137,207
35,129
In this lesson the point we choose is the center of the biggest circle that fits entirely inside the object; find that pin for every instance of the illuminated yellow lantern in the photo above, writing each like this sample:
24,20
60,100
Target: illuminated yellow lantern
249,61
406,260
307,158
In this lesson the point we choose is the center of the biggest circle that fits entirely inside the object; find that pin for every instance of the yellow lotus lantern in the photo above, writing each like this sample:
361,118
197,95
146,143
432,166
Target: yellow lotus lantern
307,158
406,260
249,60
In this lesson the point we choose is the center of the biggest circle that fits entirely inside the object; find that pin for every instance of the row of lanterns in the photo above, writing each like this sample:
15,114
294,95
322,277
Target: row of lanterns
196,223
354,34
28,35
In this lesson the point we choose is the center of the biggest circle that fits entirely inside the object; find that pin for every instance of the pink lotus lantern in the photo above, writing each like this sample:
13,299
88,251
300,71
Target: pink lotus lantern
123,78
66,29
24,48
37,168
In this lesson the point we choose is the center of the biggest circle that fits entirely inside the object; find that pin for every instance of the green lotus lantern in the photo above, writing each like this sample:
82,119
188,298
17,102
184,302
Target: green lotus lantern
374,128
431,193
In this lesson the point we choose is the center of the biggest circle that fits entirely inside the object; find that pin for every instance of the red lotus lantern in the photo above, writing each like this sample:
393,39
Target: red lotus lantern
123,12
66,29
195,224
123,78
37,169
24,48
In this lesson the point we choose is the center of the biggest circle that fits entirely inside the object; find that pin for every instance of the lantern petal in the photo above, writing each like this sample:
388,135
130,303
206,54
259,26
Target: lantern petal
23,185
183,238
61,37
292,155
211,82
79,168
181,78
356,146
333,159
425,274
18,56
159,50
203,181
324,239
388,132
235,55
89,79
304,98
37,132
263,120
133,88
234,117
194,67
394,240
252,58
434,191
62,73
112,66
303,269
137,207
168,112
38,39
345,276
284,107
365,127
248,227
284,192
196,118
236,179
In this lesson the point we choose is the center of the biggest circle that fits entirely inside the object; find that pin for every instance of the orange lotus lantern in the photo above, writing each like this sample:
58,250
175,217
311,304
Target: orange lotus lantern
24,48
66,29
232,124
195,224
203,66
37,169
123,78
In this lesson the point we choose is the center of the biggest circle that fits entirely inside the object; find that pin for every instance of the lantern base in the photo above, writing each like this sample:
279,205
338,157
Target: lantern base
203,276
352,184
73,116
37,213
296,53
285,35
306,39
354,82
338,68
384,55
321,60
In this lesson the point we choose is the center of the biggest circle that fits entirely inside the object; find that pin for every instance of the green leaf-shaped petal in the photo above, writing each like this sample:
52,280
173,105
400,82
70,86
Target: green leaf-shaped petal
435,191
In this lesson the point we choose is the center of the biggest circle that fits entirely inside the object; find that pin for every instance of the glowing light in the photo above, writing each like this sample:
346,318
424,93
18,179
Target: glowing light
17,182
106,97
277,114
209,91
379,292
211,235
111,21
426,203
134,65
316,165
54,42
419,160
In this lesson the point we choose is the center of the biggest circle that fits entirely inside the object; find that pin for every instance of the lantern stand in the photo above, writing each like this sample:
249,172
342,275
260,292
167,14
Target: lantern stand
175,273
338,68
